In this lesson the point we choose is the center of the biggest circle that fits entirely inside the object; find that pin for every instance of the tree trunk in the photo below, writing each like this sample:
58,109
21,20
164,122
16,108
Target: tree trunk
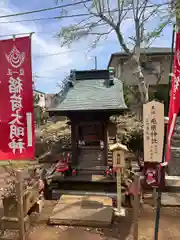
142,85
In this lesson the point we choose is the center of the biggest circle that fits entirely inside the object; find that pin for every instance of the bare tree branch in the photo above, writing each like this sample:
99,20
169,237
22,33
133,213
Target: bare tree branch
142,28
119,34
102,33
143,7
109,11
137,8
150,15
120,4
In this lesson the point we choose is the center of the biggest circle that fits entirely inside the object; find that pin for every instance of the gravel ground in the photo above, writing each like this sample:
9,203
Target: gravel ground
120,229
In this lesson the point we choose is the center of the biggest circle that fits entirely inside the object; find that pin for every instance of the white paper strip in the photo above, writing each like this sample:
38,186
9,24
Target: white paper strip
29,128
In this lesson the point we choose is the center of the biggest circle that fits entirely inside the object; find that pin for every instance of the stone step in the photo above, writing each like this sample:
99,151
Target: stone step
91,171
171,199
89,211
175,143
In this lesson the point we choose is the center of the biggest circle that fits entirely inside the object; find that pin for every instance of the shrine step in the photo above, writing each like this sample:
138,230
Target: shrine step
13,223
171,198
99,171
93,163
90,172
135,166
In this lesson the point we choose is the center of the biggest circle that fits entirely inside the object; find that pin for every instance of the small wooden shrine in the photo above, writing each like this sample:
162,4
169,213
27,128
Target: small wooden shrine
89,99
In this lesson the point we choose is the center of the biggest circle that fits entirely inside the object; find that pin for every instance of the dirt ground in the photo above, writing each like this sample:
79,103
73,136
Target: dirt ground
121,228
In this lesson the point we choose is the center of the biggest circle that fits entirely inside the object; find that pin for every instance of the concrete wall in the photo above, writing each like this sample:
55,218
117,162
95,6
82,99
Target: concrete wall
124,70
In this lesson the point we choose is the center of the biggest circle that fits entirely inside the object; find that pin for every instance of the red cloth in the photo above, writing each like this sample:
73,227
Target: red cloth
174,105
16,101
133,189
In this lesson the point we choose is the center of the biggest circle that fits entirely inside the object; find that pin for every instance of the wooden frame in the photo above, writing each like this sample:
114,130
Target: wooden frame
118,159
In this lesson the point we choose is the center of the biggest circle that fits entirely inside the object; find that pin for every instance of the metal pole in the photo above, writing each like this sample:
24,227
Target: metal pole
119,190
136,204
19,192
158,206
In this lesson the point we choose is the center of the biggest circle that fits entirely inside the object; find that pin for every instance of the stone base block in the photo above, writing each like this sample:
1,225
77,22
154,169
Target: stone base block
9,235
37,208
13,223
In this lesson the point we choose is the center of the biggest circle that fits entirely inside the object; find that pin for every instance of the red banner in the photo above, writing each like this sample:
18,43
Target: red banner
174,96
16,100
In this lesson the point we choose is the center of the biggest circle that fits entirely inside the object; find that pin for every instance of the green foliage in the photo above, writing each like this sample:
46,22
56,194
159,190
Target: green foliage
135,141
177,9
161,94
71,34
158,92
131,96
36,99
157,31
130,133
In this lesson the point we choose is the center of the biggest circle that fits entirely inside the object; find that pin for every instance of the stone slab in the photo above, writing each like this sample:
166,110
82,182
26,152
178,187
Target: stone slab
83,211
171,199
106,201
96,178
172,181
9,235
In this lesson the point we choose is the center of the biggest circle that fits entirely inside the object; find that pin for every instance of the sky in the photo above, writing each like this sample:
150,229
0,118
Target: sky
51,62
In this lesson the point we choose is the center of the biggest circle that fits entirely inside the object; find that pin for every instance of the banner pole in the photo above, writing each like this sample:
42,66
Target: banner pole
19,192
30,35
162,168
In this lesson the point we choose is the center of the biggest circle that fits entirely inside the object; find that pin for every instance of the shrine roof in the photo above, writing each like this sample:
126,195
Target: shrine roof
91,94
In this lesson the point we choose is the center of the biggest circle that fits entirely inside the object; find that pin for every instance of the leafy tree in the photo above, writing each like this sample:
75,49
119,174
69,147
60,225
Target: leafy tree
130,133
176,9
99,18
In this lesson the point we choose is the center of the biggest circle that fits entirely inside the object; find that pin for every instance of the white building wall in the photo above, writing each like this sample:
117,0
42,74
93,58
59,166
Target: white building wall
42,99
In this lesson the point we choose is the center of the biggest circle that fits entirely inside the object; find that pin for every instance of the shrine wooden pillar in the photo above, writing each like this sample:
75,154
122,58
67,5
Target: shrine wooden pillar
105,133
74,140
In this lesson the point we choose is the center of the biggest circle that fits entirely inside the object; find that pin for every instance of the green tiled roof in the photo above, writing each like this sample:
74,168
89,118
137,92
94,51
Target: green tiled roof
92,95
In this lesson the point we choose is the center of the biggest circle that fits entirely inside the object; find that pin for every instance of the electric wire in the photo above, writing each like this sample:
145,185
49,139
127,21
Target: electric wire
45,9
69,16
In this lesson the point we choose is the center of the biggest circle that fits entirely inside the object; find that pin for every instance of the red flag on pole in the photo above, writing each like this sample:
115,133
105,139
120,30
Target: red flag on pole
16,100
174,105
